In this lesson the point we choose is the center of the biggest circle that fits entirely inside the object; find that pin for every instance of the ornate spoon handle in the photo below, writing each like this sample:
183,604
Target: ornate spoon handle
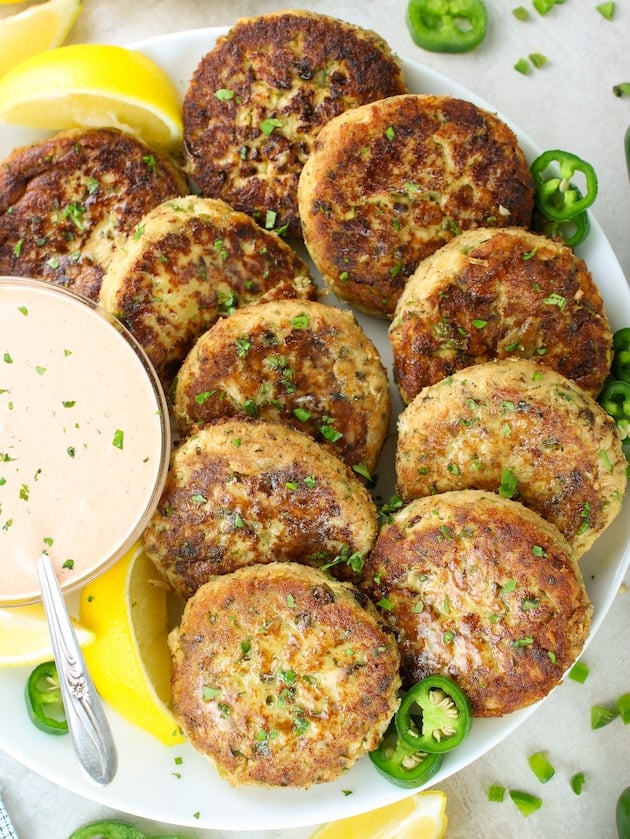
89,729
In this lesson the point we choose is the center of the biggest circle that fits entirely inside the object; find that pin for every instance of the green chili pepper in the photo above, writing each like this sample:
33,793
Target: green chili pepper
621,354
622,814
556,196
525,802
615,400
43,699
434,716
401,764
574,230
108,829
447,25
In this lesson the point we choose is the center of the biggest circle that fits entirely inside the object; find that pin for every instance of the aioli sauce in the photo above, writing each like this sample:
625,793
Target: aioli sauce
84,438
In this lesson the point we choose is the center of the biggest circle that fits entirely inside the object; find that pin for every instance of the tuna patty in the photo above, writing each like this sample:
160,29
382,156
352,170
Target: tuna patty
520,429
500,294
281,676
259,97
483,590
390,182
65,201
306,364
188,261
244,491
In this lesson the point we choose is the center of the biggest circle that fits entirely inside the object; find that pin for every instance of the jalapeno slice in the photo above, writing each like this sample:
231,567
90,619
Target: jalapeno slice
615,400
434,716
573,230
108,829
447,25
44,701
557,197
621,354
401,764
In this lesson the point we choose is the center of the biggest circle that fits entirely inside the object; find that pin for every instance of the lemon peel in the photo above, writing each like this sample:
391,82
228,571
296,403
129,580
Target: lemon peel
38,28
25,639
90,86
420,816
129,660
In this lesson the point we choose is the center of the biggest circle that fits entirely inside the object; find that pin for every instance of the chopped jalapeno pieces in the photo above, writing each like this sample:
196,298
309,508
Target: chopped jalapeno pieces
434,716
540,766
525,802
621,354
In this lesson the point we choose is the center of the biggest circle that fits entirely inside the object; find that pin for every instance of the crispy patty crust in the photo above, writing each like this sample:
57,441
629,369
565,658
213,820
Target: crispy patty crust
259,97
282,676
500,294
483,590
188,261
306,364
390,182
523,430
65,201
244,491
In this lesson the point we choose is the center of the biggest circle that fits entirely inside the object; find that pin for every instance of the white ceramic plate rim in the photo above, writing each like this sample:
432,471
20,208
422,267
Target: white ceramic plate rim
178,786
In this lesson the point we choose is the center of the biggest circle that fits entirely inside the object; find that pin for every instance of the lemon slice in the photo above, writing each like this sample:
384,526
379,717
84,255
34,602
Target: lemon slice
93,85
129,661
24,636
37,28
421,816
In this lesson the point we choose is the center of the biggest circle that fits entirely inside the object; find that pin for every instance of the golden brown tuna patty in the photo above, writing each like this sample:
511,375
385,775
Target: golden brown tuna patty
259,97
244,491
188,261
519,428
281,676
483,590
65,201
500,294
390,182
303,363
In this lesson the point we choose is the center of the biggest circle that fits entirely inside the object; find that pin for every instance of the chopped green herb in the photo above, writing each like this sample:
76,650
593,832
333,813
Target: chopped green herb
508,586
149,159
224,94
118,440
302,414
555,300
520,13
267,126
390,133
579,672
538,60
523,66
300,321
527,641
496,793
525,802
291,601
623,706
577,782
509,484
270,219
601,716
385,603
362,470
479,324
540,766
606,10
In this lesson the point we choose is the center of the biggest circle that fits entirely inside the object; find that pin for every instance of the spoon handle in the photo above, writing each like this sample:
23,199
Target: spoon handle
89,729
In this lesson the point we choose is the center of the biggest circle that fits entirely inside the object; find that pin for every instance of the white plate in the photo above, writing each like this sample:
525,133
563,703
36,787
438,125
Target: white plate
177,785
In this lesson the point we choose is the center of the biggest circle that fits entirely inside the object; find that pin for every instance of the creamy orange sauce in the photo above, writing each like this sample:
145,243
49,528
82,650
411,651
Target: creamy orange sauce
83,438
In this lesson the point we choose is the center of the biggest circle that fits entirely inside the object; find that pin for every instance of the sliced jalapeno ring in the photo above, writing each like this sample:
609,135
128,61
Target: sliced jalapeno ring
403,765
557,197
574,230
447,25
43,699
615,400
434,716
108,829
621,354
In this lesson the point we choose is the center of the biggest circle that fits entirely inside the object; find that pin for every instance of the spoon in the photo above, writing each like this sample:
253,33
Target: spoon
89,729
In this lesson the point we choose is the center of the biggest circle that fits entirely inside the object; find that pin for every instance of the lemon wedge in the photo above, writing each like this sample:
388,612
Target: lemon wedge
93,85
24,636
129,660
37,28
421,816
